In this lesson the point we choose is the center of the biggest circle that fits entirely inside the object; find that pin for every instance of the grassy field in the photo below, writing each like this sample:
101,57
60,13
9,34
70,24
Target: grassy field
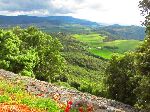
106,49
91,38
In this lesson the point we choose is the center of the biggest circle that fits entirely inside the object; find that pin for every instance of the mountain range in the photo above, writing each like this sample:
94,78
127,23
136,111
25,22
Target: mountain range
74,25
53,20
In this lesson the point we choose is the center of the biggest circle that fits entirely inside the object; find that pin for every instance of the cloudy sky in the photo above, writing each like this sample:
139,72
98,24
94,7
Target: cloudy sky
124,12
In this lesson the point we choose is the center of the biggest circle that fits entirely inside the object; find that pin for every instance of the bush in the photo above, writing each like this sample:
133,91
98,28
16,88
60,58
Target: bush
121,80
143,69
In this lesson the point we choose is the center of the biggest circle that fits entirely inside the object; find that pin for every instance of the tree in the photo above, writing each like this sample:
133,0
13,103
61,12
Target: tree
121,79
144,5
143,69
14,59
143,61
31,52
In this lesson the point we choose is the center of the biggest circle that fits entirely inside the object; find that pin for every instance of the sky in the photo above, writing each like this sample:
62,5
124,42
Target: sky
124,12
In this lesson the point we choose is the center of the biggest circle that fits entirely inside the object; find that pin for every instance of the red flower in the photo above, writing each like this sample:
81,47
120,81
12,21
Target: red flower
80,109
90,108
69,102
40,94
68,106
67,110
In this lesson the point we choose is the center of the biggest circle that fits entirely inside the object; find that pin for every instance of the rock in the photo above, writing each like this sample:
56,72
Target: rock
45,89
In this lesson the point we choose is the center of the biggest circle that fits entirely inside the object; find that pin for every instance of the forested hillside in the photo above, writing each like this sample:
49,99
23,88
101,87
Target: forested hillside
84,71
115,32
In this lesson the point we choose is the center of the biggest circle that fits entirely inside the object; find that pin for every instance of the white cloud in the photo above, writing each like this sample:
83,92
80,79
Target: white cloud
112,11
30,13
104,11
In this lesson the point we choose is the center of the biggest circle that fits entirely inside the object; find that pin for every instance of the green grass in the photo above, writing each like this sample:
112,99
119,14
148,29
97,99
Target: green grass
106,49
90,38
105,53
123,45
14,93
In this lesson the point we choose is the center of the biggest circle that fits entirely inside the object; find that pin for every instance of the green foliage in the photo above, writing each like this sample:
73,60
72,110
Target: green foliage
12,58
143,68
121,78
144,5
143,61
30,52
83,71
4,98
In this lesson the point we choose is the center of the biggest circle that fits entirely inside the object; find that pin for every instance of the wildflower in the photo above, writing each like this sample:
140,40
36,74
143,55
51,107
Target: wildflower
69,103
89,107
40,94
80,109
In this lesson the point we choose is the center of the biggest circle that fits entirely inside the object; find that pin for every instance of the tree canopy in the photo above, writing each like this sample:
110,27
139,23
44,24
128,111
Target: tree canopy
30,52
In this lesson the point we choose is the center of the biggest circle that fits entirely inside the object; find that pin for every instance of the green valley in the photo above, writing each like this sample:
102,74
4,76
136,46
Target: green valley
98,46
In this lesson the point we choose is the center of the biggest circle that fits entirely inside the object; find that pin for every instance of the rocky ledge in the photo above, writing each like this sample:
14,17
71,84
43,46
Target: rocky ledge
61,94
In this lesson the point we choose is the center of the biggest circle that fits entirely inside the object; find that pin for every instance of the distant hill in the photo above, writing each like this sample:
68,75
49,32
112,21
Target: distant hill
114,32
53,20
50,23
74,25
